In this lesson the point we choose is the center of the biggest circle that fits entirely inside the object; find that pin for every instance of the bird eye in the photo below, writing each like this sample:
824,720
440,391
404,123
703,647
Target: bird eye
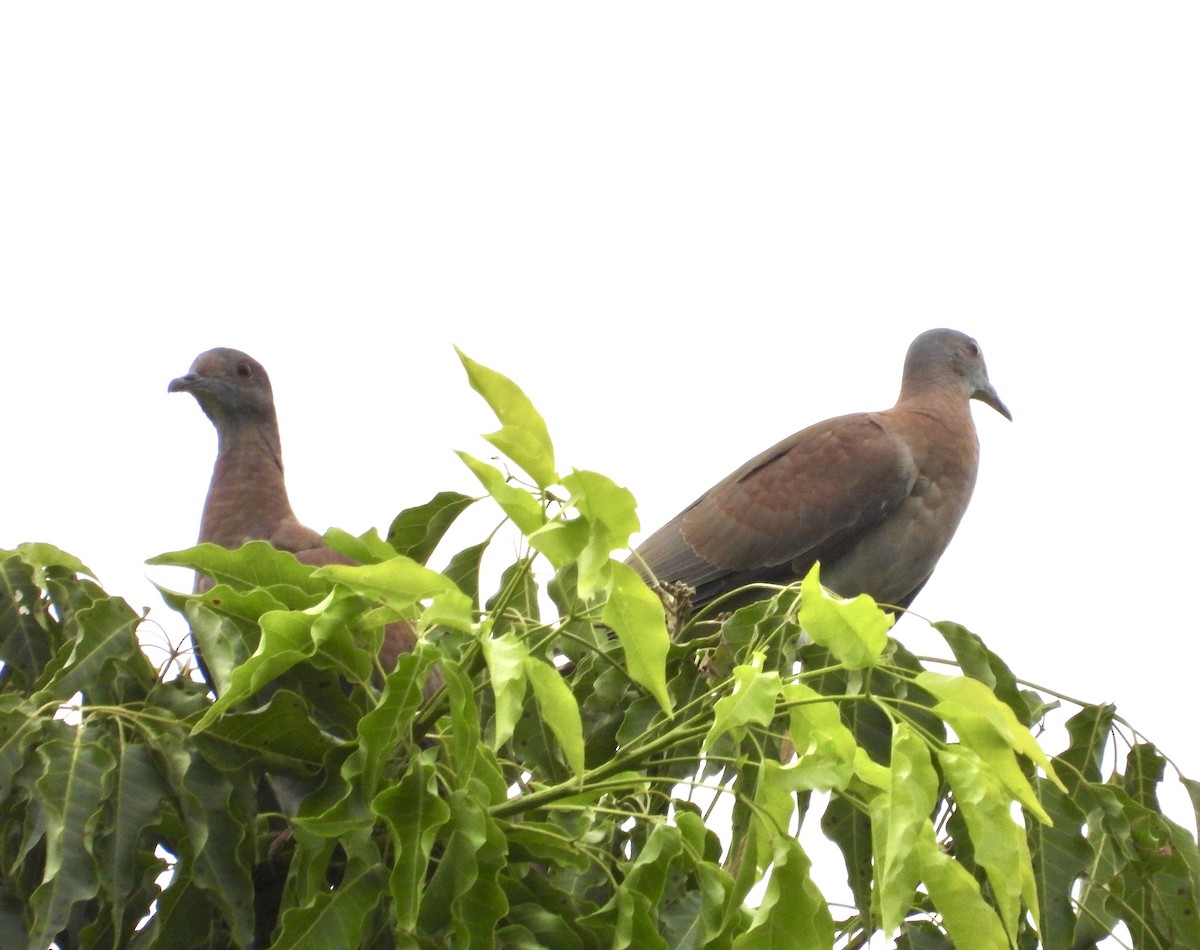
972,349
244,371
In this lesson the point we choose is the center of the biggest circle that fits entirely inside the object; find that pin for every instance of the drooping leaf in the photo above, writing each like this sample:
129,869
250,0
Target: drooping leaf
967,917
998,842
793,913
1089,731
849,827
558,709
635,614
505,657
977,661
900,823
991,729
25,624
382,733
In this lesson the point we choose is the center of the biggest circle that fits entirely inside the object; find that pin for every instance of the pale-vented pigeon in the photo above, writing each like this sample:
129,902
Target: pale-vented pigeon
875,496
247,498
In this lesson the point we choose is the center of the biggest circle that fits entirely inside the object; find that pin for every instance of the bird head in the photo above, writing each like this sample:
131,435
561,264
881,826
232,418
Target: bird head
231,387
938,357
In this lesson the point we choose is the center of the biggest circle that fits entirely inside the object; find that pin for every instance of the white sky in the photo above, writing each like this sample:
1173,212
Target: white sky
685,230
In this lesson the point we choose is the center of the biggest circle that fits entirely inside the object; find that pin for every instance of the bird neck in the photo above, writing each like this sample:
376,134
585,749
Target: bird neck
944,391
945,444
247,497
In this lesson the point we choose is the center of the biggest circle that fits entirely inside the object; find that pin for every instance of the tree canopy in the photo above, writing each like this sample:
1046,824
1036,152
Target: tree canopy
567,759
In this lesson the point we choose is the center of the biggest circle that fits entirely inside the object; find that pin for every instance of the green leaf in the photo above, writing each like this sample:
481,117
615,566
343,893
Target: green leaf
415,532
367,548
1143,773
279,737
854,631
75,780
338,917
414,813
138,799
1089,730
39,555
980,663
404,585
104,649
774,806
849,827
559,710
632,910
216,809
1193,790
752,700
793,912
287,639
254,564
1060,855
636,615
463,570
463,897
25,624
467,758
523,436
382,733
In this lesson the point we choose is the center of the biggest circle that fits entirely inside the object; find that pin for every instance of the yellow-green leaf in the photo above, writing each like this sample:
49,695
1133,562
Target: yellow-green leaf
999,842
636,615
559,710
505,657
408,588
517,503
523,436
854,631
825,748
899,818
752,700
955,893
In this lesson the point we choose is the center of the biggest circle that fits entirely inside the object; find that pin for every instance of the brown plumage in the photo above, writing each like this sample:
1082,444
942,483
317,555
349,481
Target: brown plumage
875,497
247,497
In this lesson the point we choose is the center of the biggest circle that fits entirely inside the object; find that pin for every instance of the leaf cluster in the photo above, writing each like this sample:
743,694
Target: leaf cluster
566,759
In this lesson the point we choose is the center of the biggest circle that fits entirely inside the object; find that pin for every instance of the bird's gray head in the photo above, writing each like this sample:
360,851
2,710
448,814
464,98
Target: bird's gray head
947,357
231,387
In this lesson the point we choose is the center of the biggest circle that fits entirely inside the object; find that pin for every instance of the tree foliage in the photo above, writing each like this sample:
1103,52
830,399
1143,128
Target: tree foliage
562,762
